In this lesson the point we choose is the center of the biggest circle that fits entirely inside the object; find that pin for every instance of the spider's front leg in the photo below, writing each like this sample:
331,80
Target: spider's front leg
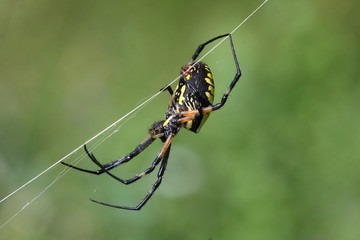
187,116
167,88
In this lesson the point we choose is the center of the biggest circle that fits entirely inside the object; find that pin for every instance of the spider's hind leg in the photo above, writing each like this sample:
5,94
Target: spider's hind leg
111,165
163,157
155,131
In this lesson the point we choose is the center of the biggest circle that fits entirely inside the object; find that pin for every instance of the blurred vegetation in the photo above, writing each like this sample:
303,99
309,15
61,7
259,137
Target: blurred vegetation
279,161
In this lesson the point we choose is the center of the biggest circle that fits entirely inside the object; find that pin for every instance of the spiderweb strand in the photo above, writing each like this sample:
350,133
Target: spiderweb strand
81,146
222,40
139,107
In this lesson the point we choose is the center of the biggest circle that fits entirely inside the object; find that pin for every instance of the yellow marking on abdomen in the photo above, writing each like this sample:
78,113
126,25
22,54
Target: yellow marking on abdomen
209,81
177,86
211,89
210,97
181,97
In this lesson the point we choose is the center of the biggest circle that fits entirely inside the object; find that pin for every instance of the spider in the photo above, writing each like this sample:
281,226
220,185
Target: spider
189,107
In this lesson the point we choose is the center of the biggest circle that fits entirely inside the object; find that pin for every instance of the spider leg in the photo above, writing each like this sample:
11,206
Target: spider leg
192,114
188,118
148,170
201,46
232,84
105,168
163,157
168,88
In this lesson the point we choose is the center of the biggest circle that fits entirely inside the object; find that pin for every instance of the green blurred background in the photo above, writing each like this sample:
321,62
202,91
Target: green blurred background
279,161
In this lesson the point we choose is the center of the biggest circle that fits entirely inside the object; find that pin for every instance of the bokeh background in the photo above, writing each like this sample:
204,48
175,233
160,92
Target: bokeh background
279,161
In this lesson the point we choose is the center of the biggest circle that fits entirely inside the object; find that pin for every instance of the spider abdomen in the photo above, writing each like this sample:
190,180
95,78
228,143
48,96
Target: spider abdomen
194,91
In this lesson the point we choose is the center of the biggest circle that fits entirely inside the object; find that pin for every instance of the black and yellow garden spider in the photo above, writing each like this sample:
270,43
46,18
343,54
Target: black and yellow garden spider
189,107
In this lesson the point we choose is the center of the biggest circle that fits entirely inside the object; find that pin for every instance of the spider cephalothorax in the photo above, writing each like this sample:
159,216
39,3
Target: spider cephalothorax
189,107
